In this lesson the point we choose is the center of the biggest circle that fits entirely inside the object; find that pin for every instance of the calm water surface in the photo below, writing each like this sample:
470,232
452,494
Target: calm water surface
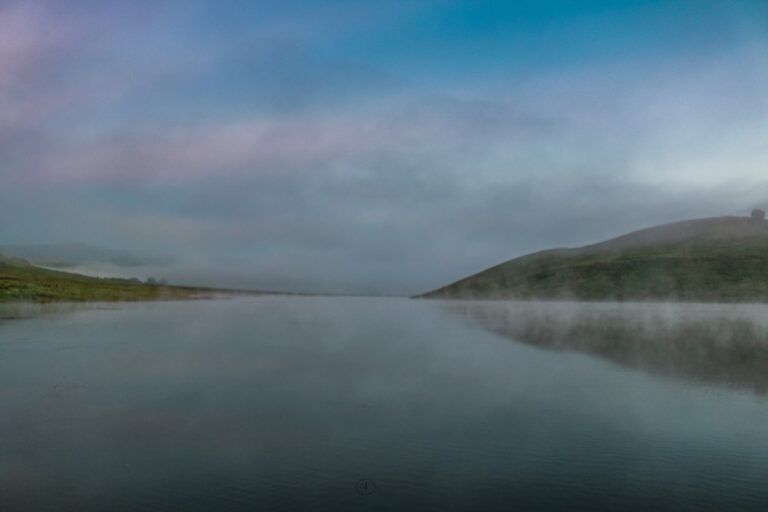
276,403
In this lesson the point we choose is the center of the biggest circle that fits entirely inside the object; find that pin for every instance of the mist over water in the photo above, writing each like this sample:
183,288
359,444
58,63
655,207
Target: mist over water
603,149
714,343
277,403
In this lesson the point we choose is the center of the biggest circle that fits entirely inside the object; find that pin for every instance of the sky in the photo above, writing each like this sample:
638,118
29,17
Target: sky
373,147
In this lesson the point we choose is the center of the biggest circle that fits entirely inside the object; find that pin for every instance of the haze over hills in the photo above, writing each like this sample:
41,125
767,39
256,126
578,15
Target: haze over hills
22,281
712,259
76,255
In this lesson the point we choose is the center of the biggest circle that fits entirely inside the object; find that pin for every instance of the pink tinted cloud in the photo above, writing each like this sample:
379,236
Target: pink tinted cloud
276,145
257,145
195,153
25,37
33,46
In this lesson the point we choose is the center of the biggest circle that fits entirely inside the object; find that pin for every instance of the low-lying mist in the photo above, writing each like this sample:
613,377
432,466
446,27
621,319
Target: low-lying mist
721,344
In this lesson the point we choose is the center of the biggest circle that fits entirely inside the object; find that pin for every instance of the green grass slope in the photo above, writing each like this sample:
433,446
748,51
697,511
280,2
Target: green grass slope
717,259
21,281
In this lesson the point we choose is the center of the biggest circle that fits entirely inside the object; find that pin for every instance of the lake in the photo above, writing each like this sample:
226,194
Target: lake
302,403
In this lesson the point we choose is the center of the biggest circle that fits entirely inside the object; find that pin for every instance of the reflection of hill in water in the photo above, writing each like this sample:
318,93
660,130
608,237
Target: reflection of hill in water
725,344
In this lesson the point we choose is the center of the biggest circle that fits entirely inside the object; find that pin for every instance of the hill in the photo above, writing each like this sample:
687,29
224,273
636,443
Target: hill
75,254
20,280
714,259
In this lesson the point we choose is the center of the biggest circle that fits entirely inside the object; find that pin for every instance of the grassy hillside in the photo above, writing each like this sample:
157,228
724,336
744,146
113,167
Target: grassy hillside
720,259
21,281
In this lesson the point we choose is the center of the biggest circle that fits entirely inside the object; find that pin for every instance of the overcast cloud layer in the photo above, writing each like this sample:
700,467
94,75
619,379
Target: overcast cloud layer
373,146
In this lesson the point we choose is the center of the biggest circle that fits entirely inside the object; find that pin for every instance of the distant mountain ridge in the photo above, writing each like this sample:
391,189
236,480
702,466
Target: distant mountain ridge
712,259
75,254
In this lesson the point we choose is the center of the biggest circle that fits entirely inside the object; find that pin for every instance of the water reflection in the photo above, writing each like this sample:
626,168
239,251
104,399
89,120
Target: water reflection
25,310
724,344
287,403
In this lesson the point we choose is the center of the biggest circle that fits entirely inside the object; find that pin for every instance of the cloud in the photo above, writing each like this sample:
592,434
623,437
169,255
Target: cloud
305,152
30,44
394,128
